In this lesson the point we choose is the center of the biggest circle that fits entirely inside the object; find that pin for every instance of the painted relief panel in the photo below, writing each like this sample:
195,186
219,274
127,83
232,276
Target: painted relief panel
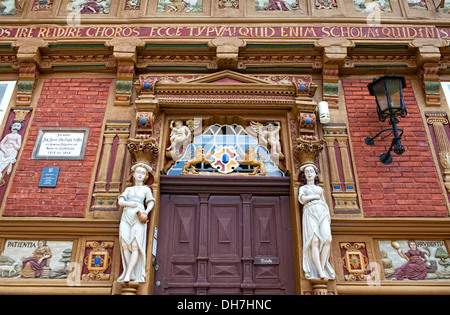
9,7
89,7
417,4
42,5
415,260
36,259
276,5
369,6
446,8
179,6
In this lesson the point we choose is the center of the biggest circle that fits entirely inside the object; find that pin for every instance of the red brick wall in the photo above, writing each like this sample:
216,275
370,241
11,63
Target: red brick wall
77,102
409,187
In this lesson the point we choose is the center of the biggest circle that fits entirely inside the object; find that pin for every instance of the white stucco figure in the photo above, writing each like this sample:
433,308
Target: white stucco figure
9,147
137,201
316,226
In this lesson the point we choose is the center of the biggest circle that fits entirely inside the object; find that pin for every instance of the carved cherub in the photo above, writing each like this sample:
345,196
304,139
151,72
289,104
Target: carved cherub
251,158
269,136
198,156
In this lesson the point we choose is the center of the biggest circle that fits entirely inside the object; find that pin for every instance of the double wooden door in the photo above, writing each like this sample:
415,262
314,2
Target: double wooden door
224,236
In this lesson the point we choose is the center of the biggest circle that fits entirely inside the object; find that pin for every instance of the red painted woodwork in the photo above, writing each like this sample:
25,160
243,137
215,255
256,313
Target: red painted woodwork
224,236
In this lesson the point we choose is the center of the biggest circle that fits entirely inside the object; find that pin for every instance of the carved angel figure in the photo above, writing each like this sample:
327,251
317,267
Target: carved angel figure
269,135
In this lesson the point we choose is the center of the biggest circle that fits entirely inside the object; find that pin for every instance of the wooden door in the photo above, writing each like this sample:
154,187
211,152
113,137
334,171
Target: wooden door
224,236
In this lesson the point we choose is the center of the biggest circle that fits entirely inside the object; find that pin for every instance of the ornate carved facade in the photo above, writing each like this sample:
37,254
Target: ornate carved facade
221,99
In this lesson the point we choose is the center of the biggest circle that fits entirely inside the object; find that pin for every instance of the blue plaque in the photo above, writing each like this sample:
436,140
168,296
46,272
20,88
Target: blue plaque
49,177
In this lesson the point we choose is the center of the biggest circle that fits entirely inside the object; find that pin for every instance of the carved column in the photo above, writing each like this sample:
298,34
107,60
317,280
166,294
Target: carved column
438,120
428,56
107,184
114,185
343,189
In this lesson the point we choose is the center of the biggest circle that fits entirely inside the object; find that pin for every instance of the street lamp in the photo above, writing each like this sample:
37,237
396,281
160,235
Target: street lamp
388,92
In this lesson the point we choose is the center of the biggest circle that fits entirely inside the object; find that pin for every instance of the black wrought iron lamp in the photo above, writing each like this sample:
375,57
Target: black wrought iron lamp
388,92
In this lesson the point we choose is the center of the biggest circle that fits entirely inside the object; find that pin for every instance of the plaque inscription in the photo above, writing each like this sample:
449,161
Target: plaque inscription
61,144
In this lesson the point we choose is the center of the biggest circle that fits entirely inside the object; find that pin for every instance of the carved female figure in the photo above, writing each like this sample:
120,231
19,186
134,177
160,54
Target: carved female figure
137,201
316,226
10,146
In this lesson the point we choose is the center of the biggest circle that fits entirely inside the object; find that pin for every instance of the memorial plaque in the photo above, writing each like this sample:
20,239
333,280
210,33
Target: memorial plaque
61,143
49,177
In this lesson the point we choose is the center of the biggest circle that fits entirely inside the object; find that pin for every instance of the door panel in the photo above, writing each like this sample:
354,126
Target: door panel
224,243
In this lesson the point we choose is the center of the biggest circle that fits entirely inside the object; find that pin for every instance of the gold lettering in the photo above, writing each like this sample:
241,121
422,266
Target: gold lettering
241,31
88,32
429,31
332,32
409,29
209,30
386,31
22,32
271,34
443,32
326,31
283,34
41,31
370,32
310,30
200,30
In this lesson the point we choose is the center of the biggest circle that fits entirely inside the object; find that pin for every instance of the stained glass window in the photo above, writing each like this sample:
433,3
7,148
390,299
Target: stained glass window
224,146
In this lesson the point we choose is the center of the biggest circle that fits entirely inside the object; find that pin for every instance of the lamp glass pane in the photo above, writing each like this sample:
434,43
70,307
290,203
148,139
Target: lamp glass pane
380,93
394,93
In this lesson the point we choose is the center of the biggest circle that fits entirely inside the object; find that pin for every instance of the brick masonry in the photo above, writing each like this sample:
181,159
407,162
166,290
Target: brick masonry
409,187
76,102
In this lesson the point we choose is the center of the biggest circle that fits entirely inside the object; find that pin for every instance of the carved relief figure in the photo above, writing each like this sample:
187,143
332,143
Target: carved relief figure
9,148
316,226
180,136
369,6
198,156
269,136
180,6
137,201
89,6
33,265
276,5
416,264
251,158
9,7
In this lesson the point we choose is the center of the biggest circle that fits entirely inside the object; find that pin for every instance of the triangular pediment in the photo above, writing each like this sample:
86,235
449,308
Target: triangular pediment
227,76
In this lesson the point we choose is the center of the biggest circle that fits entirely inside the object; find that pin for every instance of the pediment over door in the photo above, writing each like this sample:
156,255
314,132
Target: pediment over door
226,89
